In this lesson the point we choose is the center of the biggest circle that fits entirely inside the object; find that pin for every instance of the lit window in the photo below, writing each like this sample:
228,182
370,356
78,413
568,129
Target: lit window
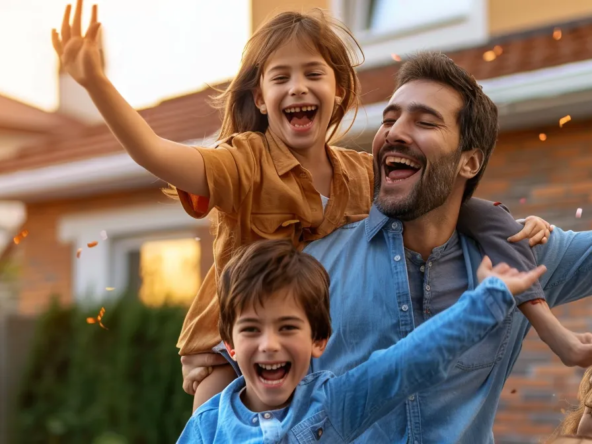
169,271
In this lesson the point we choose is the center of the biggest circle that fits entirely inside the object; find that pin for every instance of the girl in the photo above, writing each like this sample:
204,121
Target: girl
579,421
273,174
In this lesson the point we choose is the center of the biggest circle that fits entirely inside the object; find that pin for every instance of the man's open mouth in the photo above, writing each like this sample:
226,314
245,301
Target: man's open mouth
301,116
273,374
399,168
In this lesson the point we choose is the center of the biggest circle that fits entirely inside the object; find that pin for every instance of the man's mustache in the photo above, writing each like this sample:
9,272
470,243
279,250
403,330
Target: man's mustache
393,149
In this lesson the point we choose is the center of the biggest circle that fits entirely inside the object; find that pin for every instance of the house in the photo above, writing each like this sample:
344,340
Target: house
534,59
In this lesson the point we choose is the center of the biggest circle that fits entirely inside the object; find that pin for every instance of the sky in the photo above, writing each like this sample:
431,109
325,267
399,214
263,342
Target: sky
153,50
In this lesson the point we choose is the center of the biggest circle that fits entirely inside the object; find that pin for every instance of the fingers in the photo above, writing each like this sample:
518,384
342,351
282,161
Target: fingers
93,32
190,362
537,238
66,25
56,42
77,21
486,264
194,378
522,234
502,268
533,275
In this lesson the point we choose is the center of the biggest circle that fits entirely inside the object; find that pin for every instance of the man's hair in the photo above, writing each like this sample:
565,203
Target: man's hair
477,119
263,268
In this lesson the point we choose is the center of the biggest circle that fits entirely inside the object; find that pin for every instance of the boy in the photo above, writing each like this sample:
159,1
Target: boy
275,317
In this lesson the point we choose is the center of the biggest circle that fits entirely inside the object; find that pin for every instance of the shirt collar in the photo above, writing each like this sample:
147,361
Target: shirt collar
377,220
241,411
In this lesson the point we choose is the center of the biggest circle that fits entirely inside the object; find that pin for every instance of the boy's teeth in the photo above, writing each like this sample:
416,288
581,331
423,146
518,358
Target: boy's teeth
272,366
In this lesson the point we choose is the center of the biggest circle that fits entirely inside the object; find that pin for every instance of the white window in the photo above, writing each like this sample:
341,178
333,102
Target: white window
386,27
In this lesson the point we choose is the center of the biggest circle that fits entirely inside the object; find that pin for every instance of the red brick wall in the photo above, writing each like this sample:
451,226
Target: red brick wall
555,178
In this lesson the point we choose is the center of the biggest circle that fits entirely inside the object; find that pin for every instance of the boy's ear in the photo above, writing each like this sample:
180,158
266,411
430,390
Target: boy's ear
318,347
470,163
230,350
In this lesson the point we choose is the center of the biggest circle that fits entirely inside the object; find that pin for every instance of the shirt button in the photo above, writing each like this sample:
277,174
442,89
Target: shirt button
412,398
254,420
395,225
422,268
429,264
267,415
405,307
319,433
397,258
428,288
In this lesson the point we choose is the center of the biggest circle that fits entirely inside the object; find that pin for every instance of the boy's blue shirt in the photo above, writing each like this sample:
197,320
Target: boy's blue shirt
369,311
338,409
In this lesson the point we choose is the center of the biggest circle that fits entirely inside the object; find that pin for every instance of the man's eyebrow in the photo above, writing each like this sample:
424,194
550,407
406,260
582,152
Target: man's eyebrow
414,108
306,65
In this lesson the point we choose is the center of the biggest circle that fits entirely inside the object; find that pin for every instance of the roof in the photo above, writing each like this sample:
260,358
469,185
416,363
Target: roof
191,117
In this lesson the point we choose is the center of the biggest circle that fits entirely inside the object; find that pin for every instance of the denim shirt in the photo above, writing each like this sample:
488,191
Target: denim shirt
339,409
371,310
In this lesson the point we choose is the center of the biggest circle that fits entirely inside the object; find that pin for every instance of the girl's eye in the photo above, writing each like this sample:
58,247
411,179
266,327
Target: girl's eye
280,79
315,74
249,330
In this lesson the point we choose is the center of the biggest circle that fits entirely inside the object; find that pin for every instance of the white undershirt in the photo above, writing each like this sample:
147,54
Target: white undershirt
324,202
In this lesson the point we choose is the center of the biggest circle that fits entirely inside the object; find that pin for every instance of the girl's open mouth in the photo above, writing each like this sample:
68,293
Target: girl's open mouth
301,117
273,374
399,168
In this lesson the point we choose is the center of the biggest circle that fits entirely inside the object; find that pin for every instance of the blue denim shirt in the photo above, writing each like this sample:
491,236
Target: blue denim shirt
370,310
339,409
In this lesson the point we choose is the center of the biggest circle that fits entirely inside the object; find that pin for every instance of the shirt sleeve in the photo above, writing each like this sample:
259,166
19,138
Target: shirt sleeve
568,258
191,433
491,226
229,174
363,395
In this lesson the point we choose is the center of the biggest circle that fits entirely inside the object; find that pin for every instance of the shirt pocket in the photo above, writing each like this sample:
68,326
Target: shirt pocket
315,429
487,352
276,226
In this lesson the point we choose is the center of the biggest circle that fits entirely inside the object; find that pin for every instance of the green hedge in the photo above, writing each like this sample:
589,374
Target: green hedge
84,384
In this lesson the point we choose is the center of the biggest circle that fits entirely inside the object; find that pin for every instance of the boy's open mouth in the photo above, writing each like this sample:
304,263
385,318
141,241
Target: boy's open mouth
301,116
399,168
273,374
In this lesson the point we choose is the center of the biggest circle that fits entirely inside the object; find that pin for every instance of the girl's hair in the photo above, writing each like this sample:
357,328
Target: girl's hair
314,29
569,425
319,32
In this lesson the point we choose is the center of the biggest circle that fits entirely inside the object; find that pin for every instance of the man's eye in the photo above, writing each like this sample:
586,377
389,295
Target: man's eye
388,121
428,124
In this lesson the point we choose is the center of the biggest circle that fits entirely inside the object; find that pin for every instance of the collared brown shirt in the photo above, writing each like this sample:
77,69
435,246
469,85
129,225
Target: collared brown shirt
262,192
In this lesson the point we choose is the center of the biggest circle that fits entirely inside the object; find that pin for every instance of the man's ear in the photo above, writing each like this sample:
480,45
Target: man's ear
470,163
230,350
318,347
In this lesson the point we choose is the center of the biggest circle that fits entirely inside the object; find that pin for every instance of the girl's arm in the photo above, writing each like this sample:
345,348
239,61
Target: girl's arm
177,164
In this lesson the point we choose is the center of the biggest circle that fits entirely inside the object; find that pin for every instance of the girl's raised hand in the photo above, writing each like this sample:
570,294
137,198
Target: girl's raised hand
80,55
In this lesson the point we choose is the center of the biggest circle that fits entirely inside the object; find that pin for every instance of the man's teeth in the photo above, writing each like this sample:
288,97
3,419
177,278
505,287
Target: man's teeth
272,366
392,160
297,109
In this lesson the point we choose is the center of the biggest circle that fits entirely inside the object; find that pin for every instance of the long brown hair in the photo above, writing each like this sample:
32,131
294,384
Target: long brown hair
569,425
328,36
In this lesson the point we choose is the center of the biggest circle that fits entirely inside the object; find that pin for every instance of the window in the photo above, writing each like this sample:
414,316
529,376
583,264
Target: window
384,27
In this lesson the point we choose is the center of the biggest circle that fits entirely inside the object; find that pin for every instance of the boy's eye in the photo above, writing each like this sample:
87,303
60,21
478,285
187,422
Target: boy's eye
249,330
288,327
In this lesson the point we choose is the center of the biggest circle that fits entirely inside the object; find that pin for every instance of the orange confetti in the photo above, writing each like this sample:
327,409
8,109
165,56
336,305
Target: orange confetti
19,237
564,120
495,204
542,137
98,319
523,200
396,57
557,34
489,56
513,391
78,253
498,50
92,244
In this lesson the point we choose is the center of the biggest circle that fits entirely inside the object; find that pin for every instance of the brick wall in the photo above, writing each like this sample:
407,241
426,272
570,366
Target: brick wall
555,178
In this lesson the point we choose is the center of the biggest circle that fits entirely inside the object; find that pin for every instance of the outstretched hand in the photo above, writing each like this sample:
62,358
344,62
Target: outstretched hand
516,281
80,55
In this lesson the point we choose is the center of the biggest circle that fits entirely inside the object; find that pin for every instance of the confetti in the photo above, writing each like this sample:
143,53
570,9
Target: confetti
579,213
513,391
557,34
109,288
78,253
498,50
542,137
495,204
92,244
564,120
197,239
103,234
489,56
523,200
19,237
396,57
97,319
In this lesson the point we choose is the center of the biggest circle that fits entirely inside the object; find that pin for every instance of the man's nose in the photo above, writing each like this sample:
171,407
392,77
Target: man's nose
398,133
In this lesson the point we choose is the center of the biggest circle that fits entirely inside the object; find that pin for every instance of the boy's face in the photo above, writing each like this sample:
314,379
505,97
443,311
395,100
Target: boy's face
273,346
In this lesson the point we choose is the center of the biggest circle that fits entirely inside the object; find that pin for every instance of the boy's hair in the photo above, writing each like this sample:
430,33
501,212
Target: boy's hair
259,270
477,118
315,29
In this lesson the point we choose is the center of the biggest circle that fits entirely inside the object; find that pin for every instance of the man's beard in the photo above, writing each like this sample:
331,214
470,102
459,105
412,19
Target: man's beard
430,191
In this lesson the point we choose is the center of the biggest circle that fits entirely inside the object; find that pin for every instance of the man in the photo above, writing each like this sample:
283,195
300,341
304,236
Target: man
406,262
